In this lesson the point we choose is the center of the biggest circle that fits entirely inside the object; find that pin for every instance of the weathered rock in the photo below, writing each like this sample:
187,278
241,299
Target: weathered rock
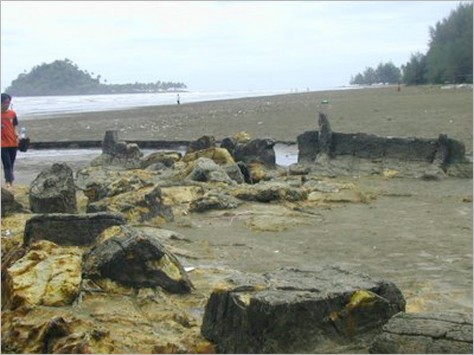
70,229
299,169
167,159
145,204
234,172
204,142
46,275
136,259
242,137
206,170
299,311
269,191
103,176
115,152
9,204
308,146
54,191
425,333
96,191
229,143
442,151
325,135
214,201
220,156
244,169
260,150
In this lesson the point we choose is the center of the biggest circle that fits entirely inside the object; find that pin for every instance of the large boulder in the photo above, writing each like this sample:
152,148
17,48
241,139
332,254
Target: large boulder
425,333
135,259
299,311
70,229
54,191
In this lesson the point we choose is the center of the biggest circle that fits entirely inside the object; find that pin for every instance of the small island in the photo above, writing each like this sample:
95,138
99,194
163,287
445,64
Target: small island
63,77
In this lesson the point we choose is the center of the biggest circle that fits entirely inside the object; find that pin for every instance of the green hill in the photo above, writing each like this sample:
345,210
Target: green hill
63,77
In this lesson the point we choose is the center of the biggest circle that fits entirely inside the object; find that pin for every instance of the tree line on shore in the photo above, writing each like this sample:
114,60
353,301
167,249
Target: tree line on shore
63,77
447,60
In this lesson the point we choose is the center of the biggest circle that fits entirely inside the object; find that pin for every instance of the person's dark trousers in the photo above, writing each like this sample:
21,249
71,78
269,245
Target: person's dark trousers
8,160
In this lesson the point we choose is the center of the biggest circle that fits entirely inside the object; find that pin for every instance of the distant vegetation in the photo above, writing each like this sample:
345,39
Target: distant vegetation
63,77
448,59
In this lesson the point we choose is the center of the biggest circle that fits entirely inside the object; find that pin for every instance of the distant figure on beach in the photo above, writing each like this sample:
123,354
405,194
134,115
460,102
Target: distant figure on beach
178,100
10,138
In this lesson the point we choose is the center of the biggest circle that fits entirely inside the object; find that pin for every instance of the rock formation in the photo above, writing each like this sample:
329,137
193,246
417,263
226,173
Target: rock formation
54,191
135,259
298,311
70,229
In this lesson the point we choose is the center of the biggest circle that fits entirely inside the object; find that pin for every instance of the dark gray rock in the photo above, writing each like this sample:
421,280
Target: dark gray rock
324,135
308,146
442,151
425,333
136,259
54,191
204,142
118,153
299,311
229,143
70,229
244,169
9,204
260,150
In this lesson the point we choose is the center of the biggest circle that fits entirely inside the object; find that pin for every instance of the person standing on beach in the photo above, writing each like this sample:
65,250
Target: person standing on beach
9,139
178,100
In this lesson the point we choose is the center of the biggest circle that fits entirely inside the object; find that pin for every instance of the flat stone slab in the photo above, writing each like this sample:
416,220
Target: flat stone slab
70,229
425,333
298,311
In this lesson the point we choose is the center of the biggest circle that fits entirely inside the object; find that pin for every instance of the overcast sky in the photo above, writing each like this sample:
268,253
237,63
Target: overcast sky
217,45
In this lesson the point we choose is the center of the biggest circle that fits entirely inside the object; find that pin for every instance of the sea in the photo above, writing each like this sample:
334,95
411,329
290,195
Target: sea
37,107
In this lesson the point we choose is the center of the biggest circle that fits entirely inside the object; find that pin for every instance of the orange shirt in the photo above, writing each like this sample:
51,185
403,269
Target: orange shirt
9,121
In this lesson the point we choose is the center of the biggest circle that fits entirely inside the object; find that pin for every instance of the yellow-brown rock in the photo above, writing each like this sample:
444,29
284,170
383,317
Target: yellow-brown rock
47,275
242,137
220,156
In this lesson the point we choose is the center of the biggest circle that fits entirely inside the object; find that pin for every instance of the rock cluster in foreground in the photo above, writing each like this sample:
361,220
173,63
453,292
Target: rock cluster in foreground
101,275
